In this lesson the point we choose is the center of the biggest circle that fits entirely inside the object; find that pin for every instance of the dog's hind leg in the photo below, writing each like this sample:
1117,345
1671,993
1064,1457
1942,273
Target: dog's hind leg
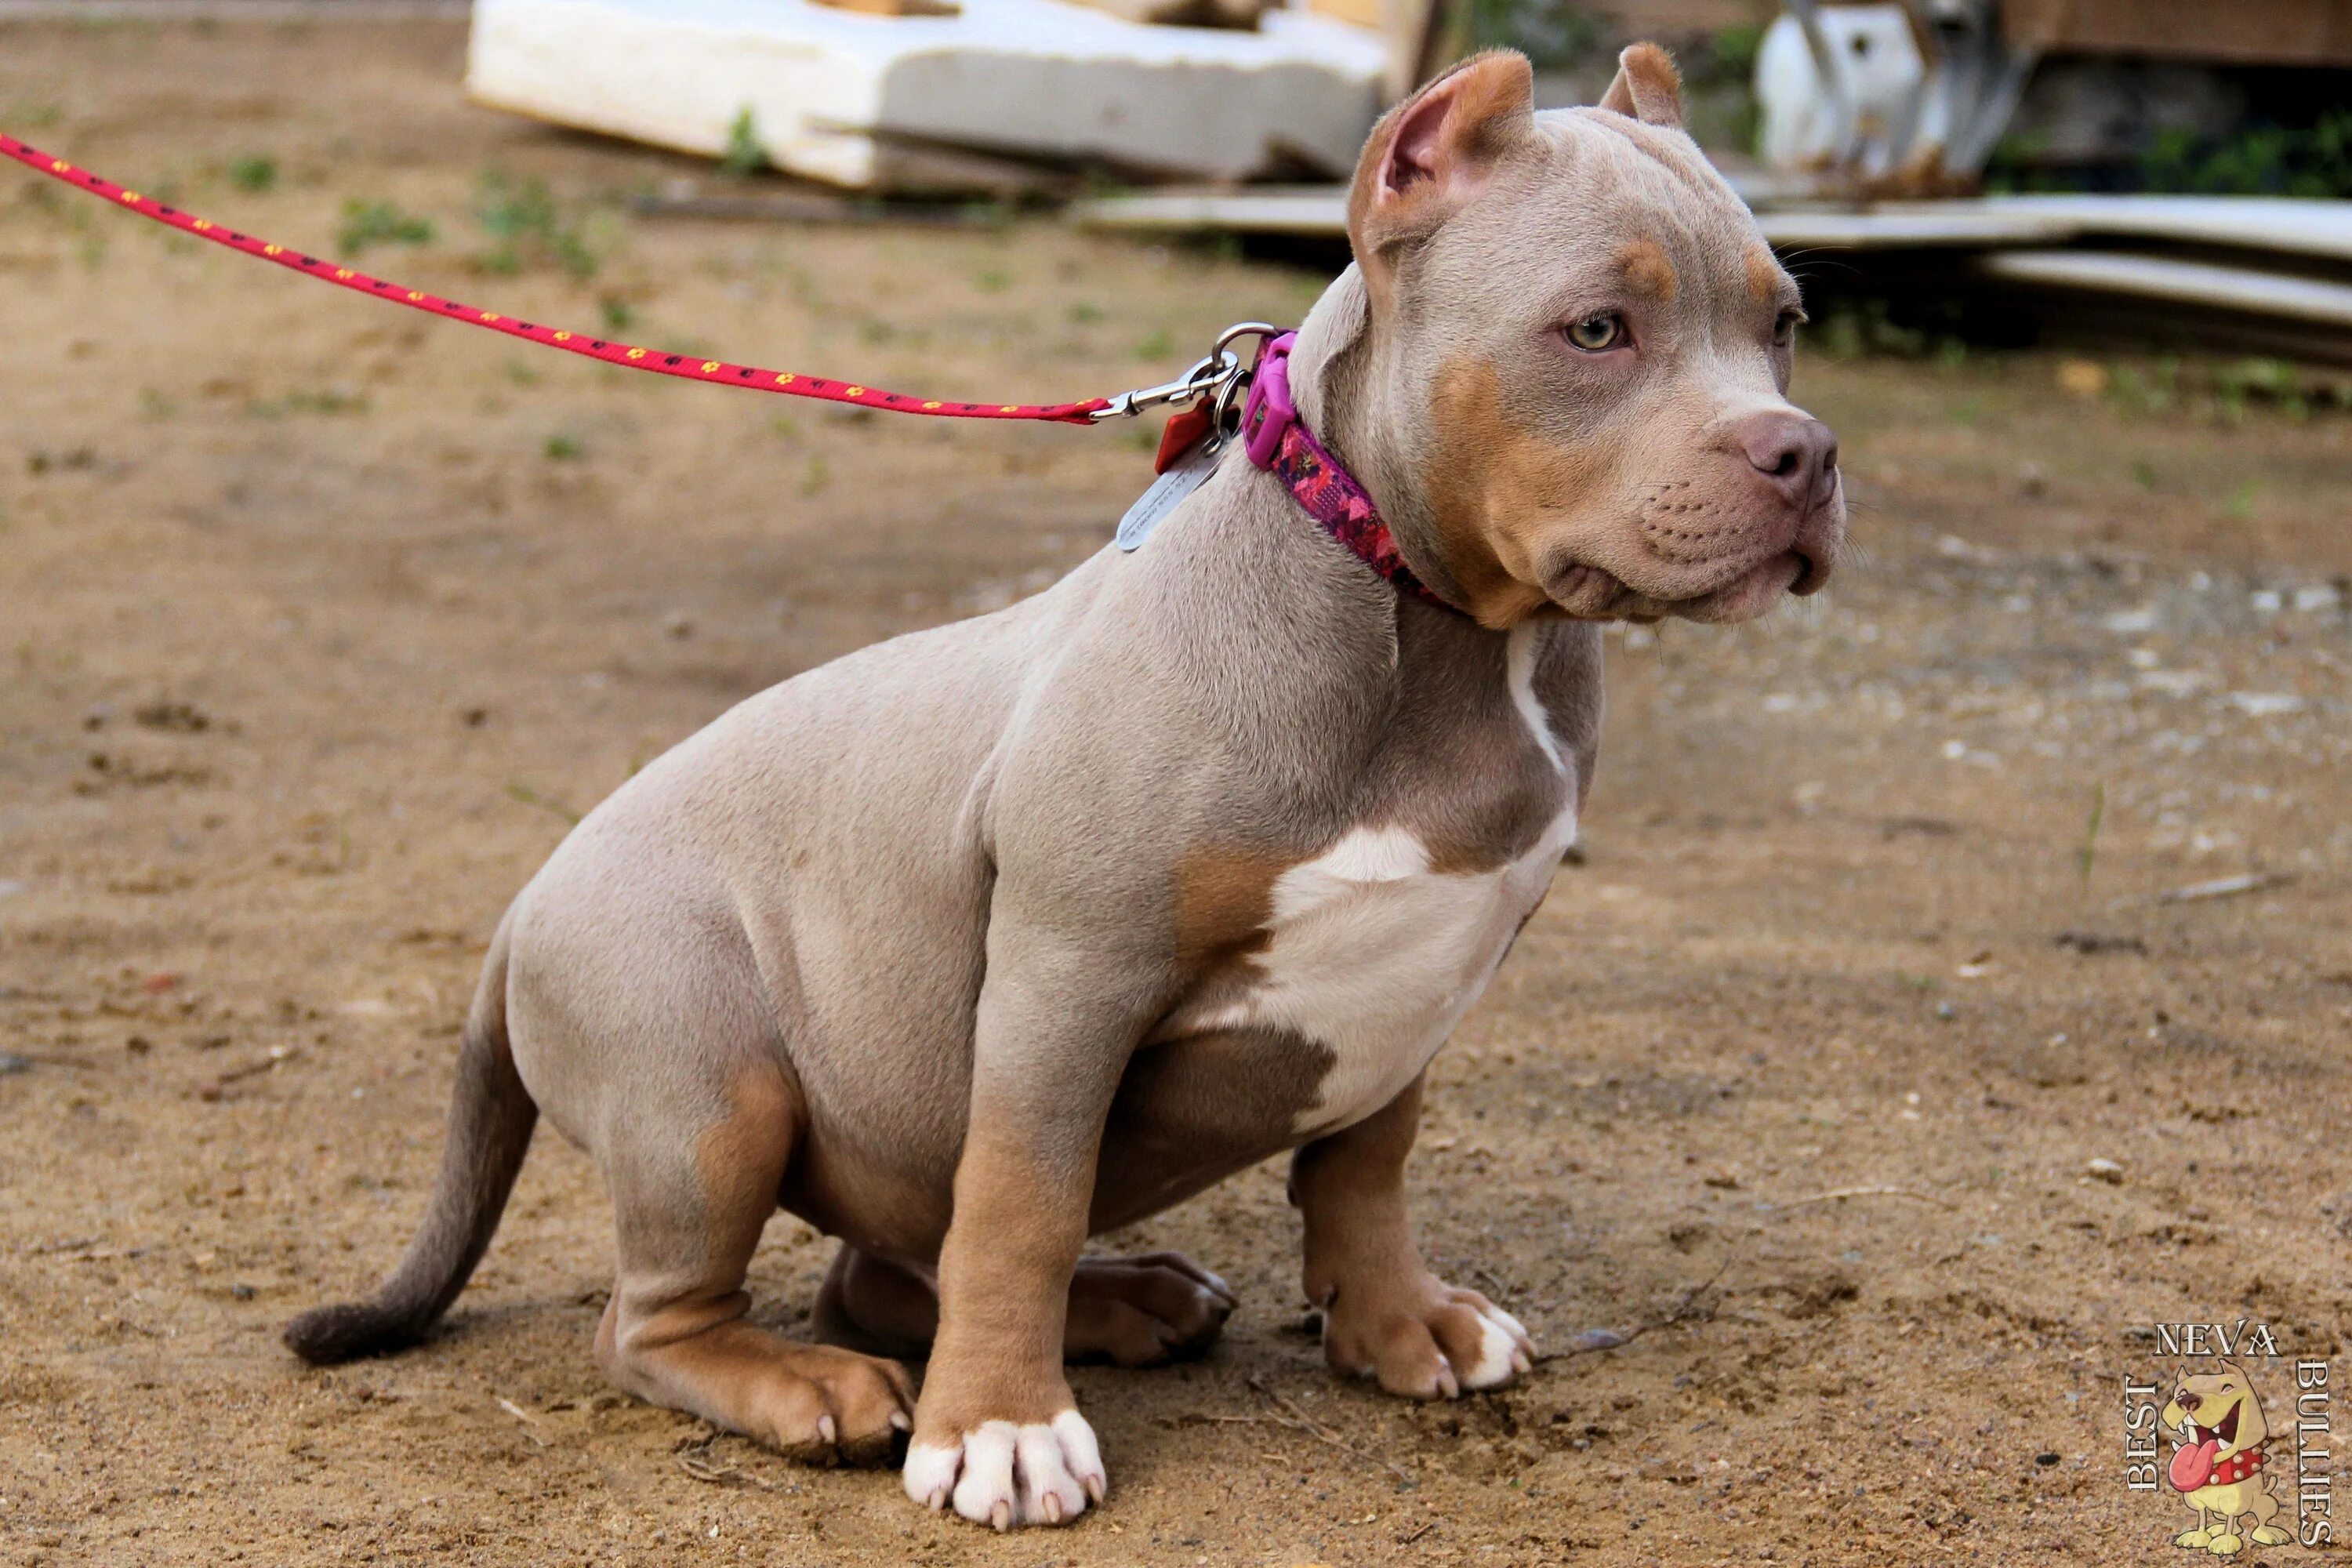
876,1305
688,1212
2267,1531
1144,1311
1130,1311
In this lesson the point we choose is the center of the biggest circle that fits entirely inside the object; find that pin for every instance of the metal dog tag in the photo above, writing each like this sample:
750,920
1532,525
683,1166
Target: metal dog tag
1187,474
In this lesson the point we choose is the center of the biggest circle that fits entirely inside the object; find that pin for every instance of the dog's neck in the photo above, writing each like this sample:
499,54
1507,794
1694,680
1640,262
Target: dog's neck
1337,382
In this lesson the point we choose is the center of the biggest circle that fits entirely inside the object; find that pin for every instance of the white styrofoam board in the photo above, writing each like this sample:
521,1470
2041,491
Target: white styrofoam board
831,90
2186,282
2309,228
1310,210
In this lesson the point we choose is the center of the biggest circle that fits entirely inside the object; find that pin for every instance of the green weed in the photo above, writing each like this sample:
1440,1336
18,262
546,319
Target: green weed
2257,160
370,224
329,402
527,228
256,172
744,156
2091,829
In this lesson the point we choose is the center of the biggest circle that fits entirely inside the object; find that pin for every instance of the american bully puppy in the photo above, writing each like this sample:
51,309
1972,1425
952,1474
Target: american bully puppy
2218,1459
986,940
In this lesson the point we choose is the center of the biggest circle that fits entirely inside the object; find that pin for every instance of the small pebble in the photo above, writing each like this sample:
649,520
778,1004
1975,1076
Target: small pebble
2106,1171
1597,1339
11,1062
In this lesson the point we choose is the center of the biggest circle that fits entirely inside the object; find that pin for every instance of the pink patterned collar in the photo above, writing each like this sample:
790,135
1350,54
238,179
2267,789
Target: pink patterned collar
1276,439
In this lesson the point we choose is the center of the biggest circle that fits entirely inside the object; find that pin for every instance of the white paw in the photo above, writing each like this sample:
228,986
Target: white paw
1002,1475
1506,1349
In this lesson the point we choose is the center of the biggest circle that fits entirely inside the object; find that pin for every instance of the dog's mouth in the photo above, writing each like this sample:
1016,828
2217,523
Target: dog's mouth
1592,594
2225,1432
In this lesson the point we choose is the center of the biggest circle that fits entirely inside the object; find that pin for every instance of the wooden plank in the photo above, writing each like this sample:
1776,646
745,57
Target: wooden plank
2245,32
233,10
2265,224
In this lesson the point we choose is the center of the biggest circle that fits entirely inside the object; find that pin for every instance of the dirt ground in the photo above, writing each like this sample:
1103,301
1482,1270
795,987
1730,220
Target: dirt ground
318,620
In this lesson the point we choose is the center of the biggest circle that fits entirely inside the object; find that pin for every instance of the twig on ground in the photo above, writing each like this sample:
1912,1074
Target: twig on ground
1609,1340
254,1069
1834,1194
530,796
526,1418
1425,1527
1285,1413
17,1061
2224,888
698,1464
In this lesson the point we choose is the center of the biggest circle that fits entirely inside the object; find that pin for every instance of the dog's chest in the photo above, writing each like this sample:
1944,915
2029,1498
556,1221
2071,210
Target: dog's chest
1373,953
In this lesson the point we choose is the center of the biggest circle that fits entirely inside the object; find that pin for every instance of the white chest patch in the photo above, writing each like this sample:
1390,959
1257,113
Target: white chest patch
1377,956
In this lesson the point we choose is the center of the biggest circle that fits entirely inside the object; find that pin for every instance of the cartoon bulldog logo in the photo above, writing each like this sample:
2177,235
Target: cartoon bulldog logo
2218,1461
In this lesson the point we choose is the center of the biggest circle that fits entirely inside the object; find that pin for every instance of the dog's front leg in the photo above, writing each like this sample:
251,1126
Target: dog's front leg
997,1433
1385,1315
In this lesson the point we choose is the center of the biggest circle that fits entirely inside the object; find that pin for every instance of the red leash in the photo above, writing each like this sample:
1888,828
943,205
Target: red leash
1203,379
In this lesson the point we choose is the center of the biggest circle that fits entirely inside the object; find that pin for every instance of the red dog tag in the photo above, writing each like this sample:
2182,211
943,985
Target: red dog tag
1184,431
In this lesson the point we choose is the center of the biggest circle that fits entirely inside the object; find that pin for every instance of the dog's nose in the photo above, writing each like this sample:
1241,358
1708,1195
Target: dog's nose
2189,1402
1795,453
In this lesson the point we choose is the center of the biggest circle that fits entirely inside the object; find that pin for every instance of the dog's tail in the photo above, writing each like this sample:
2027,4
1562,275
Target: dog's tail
491,1120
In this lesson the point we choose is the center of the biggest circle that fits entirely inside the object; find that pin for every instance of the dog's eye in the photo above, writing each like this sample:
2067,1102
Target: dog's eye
1595,334
1784,331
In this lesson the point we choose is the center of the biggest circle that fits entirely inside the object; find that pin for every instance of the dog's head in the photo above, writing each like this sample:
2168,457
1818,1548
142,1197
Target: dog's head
1561,360
2217,1406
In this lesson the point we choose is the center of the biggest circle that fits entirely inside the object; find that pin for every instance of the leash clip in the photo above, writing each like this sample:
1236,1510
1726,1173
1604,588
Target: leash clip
1219,374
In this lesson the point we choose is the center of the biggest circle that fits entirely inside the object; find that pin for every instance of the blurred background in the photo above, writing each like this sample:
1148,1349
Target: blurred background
1957,980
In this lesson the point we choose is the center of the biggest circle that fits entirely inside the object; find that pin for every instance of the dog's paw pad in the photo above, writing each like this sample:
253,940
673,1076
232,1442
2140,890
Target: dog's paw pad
1003,1475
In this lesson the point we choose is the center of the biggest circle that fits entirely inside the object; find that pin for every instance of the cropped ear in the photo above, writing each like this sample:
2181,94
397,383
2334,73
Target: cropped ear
1647,88
1434,152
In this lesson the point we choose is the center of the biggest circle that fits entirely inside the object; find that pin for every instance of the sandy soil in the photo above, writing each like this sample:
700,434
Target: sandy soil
319,620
